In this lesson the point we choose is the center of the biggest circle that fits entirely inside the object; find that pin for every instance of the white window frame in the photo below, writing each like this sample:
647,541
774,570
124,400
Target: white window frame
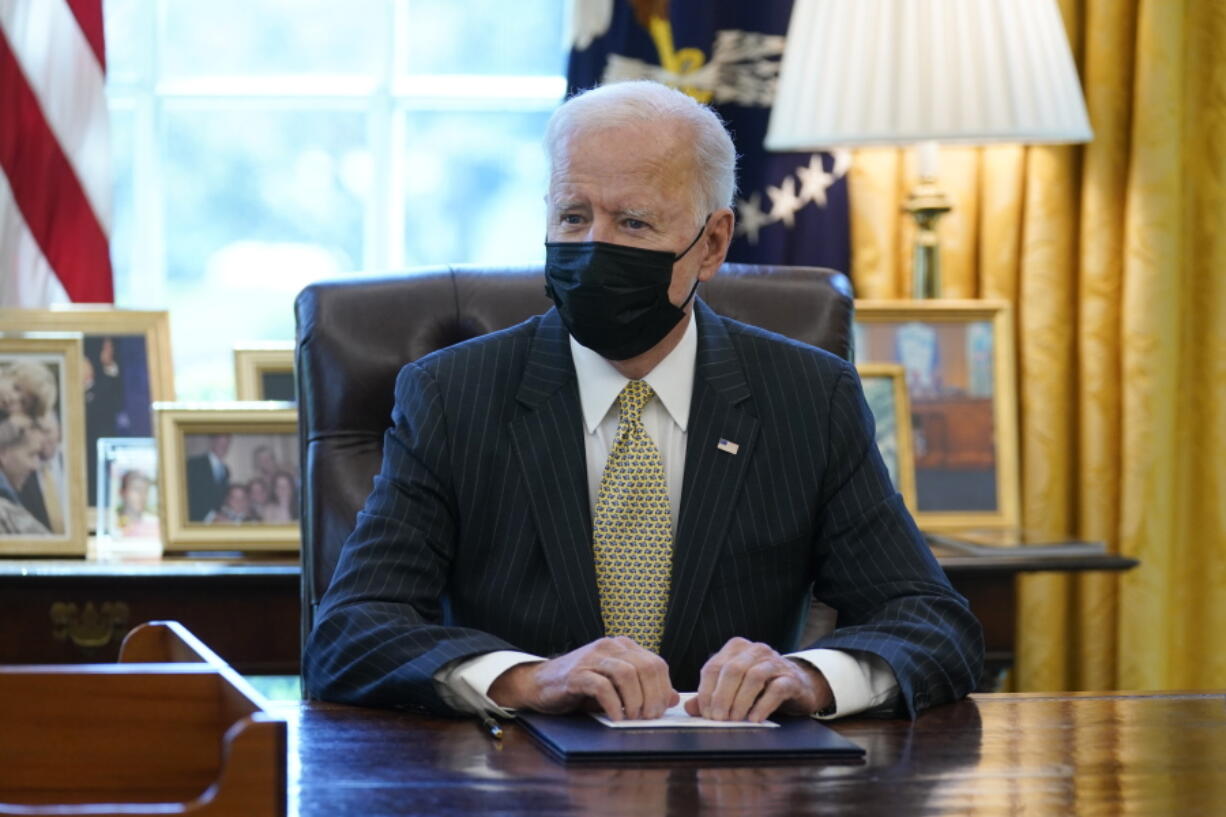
386,100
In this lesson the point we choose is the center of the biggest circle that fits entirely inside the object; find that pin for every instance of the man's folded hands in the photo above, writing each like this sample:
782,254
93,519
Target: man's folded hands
745,680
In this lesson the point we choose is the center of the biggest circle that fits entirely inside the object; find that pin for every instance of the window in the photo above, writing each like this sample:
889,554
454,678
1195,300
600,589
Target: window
260,145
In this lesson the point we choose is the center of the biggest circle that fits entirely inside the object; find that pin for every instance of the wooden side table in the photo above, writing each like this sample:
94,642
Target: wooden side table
990,585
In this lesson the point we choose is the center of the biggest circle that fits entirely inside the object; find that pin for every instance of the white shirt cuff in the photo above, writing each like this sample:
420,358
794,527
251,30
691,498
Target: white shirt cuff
859,681
465,685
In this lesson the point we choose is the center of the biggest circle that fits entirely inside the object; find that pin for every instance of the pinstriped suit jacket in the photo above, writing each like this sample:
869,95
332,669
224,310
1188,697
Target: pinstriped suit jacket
477,536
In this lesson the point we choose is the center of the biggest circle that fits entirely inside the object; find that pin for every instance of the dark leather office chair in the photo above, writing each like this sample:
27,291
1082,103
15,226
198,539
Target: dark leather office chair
355,335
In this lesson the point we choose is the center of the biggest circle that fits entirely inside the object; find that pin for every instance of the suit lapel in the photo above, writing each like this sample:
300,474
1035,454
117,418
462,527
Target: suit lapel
548,441
713,476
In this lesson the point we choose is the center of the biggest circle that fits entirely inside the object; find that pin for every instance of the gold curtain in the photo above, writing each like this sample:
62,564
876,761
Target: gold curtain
1114,256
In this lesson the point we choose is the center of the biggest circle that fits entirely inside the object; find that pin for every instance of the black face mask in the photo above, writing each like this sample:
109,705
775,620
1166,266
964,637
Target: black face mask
614,298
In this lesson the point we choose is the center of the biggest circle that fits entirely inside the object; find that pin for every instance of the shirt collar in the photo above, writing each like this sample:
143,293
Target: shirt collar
672,379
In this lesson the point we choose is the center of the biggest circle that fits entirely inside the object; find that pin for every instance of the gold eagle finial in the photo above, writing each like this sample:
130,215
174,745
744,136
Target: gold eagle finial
645,10
653,15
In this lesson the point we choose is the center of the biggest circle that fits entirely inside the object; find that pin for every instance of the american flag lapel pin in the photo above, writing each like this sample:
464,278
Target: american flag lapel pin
728,446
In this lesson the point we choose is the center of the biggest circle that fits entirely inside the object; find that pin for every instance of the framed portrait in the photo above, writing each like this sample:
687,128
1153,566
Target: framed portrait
126,366
230,476
42,445
958,357
265,371
127,500
885,389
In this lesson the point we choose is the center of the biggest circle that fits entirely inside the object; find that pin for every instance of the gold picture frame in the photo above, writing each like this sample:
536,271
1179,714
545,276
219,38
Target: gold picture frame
961,382
51,493
256,363
209,492
136,335
885,390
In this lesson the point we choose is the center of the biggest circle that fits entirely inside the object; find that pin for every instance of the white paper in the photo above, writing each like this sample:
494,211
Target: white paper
677,718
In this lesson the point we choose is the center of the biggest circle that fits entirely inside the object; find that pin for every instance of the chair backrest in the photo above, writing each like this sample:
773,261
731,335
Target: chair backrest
354,336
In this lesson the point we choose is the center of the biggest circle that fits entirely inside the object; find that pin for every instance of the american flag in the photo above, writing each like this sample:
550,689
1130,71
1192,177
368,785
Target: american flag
55,195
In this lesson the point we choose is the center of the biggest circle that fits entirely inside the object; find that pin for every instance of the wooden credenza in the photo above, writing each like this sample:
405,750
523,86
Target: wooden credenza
69,611
66,611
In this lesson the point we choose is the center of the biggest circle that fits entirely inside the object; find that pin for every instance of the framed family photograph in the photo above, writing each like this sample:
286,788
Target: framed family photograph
230,476
959,362
42,445
265,371
125,367
885,389
127,499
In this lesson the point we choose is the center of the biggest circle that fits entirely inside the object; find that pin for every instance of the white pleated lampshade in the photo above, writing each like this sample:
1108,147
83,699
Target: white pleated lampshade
862,72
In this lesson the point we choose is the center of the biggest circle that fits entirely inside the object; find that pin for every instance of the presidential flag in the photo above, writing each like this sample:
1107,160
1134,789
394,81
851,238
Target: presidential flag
791,208
55,195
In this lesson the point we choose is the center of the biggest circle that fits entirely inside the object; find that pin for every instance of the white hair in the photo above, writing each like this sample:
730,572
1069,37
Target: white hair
643,101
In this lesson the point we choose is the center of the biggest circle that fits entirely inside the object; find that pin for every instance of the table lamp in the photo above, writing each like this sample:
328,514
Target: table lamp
920,72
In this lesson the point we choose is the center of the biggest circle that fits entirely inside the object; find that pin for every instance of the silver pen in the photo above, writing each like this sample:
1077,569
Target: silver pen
491,727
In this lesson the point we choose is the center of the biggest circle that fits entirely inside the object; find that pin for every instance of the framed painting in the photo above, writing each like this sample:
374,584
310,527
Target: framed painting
265,371
885,390
230,476
126,366
42,445
958,357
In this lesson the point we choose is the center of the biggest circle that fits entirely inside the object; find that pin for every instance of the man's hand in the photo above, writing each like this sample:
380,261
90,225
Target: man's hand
750,681
615,674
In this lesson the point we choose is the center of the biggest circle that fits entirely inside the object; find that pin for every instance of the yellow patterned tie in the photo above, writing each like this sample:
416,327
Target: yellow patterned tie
632,530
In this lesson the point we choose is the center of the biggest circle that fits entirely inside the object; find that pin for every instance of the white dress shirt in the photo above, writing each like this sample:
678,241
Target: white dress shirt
858,681
219,467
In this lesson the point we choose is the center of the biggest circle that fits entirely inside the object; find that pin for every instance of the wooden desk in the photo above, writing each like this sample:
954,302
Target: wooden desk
248,611
1159,755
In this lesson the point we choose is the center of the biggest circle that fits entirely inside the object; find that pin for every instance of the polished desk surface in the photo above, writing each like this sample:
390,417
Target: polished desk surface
1084,754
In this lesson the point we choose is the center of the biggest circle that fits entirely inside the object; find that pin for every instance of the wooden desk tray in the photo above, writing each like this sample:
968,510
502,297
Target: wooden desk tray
170,729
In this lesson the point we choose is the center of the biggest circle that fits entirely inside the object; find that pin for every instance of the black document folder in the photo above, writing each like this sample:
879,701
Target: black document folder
583,739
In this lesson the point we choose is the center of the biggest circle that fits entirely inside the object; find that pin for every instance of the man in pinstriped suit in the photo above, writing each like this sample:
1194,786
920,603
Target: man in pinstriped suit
474,580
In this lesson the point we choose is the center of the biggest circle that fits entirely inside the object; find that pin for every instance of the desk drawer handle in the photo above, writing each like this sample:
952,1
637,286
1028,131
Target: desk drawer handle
92,627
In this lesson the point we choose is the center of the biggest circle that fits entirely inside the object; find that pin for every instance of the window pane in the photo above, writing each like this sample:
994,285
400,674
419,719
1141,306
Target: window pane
124,25
228,37
485,37
257,204
474,186
122,203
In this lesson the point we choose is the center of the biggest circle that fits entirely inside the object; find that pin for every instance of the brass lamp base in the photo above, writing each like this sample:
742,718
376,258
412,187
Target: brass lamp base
927,204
